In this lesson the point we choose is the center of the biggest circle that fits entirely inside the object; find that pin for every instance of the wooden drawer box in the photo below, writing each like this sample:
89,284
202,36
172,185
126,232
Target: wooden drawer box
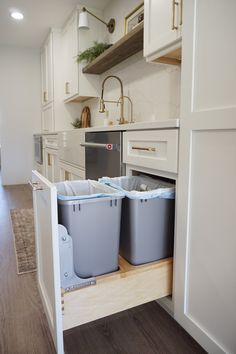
154,149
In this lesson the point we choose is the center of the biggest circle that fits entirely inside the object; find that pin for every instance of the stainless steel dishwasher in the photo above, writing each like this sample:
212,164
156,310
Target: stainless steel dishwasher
103,154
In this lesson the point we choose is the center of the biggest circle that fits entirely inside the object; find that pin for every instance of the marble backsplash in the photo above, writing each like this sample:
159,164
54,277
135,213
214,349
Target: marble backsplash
153,88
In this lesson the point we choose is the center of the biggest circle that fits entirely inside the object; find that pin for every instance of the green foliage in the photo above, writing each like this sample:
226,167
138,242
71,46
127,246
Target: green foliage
93,52
77,123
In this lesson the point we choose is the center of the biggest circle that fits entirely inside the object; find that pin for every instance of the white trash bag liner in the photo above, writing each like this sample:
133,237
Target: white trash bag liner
88,189
140,187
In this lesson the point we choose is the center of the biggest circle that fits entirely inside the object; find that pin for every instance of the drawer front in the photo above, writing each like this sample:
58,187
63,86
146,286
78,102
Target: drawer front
154,149
51,141
69,147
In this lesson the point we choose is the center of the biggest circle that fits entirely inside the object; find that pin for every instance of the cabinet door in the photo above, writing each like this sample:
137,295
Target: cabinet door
47,71
48,266
69,53
205,262
70,173
162,26
51,165
48,118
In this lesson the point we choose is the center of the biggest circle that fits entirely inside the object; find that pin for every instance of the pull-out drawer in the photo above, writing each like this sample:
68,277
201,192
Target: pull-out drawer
118,291
154,149
51,141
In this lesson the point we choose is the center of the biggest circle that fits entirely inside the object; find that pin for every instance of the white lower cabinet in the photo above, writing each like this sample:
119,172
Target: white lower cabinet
52,172
48,118
69,172
50,157
153,149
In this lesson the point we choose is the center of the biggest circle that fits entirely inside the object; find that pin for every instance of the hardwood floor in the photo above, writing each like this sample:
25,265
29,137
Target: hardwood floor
146,329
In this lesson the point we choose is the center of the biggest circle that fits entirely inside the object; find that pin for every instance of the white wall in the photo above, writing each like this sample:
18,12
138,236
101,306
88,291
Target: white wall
19,111
153,88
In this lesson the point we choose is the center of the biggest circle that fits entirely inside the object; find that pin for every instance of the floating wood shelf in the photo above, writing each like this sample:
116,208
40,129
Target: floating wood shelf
127,46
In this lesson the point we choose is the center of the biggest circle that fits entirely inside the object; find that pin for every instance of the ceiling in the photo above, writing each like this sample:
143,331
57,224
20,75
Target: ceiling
39,16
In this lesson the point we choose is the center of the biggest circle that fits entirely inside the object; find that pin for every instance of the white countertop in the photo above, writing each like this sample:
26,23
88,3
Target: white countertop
161,124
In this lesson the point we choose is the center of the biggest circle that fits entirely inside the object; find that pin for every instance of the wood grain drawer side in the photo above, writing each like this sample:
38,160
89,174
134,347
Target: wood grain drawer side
154,149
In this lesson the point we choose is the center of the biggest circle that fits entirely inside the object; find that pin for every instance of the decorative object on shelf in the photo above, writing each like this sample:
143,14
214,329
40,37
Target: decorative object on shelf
85,117
134,18
84,23
91,53
77,123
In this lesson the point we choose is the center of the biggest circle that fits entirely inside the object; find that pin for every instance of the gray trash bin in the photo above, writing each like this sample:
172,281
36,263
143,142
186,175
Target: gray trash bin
147,221
91,212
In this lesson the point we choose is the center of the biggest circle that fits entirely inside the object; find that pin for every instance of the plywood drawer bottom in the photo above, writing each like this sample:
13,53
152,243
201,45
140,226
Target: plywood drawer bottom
128,287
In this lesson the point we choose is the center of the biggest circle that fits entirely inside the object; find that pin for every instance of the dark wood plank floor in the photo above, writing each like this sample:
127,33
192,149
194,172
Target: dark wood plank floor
146,329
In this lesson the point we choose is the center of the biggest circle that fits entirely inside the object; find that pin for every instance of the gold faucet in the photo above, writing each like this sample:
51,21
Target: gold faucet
120,101
131,111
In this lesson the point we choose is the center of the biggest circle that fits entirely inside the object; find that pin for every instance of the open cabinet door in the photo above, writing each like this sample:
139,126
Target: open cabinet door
47,250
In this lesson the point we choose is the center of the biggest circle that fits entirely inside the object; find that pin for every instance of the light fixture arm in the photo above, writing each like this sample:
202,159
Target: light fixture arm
110,25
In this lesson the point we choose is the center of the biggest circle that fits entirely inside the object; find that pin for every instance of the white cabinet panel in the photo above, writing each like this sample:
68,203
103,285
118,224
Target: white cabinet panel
48,118
215,88
210,282
204,280
51,165
69,53
47,71
75,84
69,147
70,173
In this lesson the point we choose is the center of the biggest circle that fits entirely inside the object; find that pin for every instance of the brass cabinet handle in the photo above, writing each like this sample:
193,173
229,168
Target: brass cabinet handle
49,160
45,96
174,4
181,13
143,148
35,186
67,88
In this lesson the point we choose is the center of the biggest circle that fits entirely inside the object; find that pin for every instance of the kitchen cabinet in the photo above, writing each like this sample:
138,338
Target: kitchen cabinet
77,86
51,161
69,172
47,71
48,118
55,116
162,29
205,262
69,53
51,165
71,154
153,149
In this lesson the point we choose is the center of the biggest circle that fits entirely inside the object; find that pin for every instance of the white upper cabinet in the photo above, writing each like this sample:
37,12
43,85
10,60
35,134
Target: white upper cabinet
47,71
162,27
76,85
69,52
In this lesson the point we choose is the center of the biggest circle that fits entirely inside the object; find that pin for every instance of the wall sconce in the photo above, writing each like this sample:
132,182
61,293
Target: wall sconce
84,24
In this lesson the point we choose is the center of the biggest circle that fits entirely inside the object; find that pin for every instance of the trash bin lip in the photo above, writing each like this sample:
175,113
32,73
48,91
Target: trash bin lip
167,192
76,200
